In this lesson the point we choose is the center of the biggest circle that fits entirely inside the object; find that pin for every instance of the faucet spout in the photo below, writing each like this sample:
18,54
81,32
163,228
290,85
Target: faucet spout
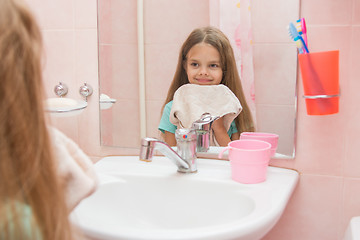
202,128
148,145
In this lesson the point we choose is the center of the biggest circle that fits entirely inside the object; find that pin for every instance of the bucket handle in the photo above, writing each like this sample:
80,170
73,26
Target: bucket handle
222,151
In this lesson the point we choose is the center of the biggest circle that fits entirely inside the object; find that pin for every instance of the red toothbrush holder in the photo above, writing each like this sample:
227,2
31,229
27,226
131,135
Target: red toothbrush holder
320,78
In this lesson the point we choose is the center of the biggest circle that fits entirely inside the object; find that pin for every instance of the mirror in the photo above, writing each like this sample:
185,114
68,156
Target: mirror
139,43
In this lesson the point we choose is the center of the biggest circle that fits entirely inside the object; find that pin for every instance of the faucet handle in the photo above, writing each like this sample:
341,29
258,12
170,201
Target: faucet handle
205,121
185,134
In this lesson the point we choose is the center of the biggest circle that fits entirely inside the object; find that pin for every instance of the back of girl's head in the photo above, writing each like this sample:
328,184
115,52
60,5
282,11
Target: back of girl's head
20,72
27,168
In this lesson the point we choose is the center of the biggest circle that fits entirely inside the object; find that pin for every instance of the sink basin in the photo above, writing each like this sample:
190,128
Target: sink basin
64,107
139,200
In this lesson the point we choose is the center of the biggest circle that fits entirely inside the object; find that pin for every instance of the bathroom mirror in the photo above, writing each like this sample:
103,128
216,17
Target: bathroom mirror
139,43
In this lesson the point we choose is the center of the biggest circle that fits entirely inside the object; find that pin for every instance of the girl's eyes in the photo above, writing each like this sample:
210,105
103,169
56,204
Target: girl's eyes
214,65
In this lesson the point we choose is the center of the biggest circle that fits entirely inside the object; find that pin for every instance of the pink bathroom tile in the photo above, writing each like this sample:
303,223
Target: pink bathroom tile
278,119
48,12
153,115
313,211
104,21
118,71
352,127
214,13
269,22
89,135
119,80
355,55
170,21
85,13
334,12
328,38
106,127
118,21
354,68
352,160
275,73
126,124
320,144
356,12
59,57
118,151
351,200
67,125
283,163
160,65
105,68
86,57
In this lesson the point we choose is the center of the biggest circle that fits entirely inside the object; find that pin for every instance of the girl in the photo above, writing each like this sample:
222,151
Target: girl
207,58
32,199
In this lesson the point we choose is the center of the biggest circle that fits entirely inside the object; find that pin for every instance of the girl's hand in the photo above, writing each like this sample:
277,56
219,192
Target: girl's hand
170,139
235,136
220,132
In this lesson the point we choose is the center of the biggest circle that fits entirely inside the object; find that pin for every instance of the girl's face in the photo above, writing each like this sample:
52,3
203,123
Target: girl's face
203,65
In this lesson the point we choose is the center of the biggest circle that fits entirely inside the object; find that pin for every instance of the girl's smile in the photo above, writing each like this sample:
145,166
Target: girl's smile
203,65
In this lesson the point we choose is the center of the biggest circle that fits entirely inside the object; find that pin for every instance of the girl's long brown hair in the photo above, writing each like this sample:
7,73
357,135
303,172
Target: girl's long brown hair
231,79
27,167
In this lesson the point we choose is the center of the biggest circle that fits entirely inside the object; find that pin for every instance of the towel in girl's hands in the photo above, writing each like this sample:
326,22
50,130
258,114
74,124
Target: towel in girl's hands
74,168
191,101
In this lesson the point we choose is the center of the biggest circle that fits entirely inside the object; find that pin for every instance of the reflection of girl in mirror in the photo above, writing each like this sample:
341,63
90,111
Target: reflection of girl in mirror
207,58
32,198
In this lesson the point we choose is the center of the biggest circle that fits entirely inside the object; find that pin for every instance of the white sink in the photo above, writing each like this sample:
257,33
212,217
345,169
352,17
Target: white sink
139,200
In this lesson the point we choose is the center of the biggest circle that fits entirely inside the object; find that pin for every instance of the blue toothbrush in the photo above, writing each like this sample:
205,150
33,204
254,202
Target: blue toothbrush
294,34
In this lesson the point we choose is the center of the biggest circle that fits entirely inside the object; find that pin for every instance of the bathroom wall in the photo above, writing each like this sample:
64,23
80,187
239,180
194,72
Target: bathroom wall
70,37
119,61
327,158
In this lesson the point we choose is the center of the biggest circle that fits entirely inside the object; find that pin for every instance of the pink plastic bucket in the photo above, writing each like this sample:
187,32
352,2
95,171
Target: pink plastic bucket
271,138
249,160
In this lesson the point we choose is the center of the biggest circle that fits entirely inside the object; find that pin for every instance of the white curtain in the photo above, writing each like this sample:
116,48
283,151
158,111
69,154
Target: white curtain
233,17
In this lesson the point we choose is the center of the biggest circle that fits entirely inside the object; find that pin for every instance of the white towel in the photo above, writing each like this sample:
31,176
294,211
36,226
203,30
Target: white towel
192,100
74,167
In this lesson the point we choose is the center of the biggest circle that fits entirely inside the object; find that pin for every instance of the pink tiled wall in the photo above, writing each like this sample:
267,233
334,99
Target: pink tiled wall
119,72
275,69
70,37
328,194
327,147
69,30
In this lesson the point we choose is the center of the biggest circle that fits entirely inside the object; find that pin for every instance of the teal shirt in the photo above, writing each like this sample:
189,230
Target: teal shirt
166,125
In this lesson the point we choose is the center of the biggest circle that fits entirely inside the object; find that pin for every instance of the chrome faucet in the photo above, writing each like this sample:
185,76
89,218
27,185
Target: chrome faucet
188,142
184,158
202,128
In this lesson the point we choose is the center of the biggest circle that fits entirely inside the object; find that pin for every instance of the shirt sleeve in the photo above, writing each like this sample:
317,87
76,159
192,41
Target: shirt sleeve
165,124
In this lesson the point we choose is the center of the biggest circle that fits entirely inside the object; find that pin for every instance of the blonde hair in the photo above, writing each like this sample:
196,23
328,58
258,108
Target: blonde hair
27,167
231,79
